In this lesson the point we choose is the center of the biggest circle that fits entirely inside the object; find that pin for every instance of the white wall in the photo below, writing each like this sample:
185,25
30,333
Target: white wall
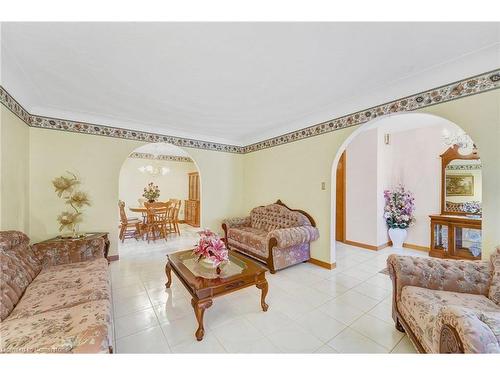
412,159
361,193
417,165
172,185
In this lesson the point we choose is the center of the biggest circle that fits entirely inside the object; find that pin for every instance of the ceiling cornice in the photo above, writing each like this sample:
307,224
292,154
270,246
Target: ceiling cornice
469,86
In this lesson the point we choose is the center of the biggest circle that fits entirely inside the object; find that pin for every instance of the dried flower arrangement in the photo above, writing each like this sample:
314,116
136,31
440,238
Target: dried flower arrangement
66,188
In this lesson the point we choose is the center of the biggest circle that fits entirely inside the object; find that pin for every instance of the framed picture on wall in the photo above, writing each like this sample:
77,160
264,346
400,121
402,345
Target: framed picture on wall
459,185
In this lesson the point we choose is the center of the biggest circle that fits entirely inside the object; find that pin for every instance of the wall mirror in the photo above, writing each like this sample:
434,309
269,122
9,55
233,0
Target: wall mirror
461,183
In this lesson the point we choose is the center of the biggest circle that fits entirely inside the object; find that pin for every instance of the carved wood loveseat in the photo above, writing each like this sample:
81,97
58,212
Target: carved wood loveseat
274,234
447,306
54,300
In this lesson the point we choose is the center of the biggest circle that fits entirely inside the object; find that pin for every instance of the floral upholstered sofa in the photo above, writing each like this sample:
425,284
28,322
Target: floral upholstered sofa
274,234
53,300
447,306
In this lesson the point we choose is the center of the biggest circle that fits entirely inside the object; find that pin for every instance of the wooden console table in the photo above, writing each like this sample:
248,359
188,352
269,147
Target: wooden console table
455,237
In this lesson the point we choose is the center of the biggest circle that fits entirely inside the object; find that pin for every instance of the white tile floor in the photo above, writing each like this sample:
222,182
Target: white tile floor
311,309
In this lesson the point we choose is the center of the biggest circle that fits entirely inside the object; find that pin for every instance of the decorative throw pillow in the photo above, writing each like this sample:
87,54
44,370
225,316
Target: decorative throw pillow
494,293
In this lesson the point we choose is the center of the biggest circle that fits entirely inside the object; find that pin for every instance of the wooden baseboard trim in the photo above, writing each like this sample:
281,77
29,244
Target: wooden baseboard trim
413,246
112,258
387,244
320,263
416,247
366,246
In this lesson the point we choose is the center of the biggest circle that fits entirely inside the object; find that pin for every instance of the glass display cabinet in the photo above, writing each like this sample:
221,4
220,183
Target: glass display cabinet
455,237
456,232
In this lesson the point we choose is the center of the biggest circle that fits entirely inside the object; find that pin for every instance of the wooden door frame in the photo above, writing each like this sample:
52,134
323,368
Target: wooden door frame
343,163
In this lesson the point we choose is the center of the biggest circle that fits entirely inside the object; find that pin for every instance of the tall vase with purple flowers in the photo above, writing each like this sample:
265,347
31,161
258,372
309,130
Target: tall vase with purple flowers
398,214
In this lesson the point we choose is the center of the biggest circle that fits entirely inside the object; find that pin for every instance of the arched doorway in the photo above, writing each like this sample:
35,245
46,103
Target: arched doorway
176,176
386,132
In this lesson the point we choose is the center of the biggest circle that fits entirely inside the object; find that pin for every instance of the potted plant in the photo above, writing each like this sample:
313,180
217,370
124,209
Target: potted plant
151,192
398,214
211,250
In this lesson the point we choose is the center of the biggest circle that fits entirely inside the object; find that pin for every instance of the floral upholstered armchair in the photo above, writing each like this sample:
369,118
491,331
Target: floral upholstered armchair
274,234
447,306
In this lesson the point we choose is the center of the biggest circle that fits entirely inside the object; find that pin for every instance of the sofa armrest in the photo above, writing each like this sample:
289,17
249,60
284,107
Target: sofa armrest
463,330
71,251
287,237
460,276
236,222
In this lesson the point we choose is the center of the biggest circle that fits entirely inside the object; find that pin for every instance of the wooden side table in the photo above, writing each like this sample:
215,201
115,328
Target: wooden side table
75,241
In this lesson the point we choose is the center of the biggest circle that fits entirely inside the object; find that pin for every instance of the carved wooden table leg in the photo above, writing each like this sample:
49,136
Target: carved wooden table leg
168,271
264,287
199,310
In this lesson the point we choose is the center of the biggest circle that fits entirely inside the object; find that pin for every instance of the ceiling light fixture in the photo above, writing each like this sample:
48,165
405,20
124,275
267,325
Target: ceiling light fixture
461,139
154,170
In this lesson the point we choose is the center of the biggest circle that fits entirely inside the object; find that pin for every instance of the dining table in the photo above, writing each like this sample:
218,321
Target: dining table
141,210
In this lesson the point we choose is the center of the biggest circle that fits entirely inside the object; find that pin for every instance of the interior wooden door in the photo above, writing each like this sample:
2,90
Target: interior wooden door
340,200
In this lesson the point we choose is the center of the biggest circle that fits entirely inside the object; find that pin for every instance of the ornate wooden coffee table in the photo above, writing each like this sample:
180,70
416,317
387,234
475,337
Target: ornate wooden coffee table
204,284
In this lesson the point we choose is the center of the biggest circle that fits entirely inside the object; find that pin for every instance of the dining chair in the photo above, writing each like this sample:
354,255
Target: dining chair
176,207
156,222
129,226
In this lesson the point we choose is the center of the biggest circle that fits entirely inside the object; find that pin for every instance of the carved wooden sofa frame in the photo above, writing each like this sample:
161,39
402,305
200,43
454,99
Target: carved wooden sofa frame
269,261
449,341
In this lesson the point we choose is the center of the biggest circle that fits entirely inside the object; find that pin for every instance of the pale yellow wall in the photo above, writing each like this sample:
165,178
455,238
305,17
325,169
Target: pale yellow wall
231,184
98,161
14,167
294,172
479,116
174,184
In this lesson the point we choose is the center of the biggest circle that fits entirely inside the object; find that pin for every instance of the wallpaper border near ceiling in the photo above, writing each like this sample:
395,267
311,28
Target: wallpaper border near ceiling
463,167
148,156
456,90
470,86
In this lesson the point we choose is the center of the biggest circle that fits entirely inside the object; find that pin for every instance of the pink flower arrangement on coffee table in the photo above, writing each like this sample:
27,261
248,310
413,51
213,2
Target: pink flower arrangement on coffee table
211,247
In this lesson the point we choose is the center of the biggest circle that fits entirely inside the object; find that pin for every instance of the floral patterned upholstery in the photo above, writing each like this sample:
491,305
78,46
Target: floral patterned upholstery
494,293
441,274
19,267
288,237
79,329
430,293
238,222
479,331
64,252
290,230
250,239
65,286
46,308
420,308
275,216
284,257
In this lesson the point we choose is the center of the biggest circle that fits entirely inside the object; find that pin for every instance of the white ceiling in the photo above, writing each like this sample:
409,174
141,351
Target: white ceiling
232,82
